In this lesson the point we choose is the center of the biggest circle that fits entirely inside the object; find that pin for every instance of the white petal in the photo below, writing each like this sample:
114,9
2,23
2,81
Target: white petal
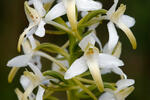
24,82
127,20
35,69
113,39
113,8
19,61
107,96
118,71
88,5
40,30
121,84
57,11
40,93
78,67
107,61
96,39
32,41
105,71
26,47
39,7
86,40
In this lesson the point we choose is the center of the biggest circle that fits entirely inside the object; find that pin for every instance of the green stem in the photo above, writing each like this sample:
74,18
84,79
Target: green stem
85,89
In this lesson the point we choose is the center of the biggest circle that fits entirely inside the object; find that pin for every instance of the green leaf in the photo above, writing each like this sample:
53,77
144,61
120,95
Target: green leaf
53,49
91,15
55,75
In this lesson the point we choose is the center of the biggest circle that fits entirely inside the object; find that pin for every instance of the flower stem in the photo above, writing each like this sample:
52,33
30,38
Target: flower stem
85,89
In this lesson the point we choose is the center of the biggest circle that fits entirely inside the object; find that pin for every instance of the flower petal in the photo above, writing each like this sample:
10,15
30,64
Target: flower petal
105,71
113,8
40,30
24,82
118,71
121,84
127,20
107,96
19,61
129,34
86,40
39,7
57,11
88,5
107,61
36,70
40,93
78,67
117,50
113,39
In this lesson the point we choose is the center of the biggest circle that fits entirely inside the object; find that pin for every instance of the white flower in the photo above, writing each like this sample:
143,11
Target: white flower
82,5
30,81
28,57
35,18
124,22
93,60
124,88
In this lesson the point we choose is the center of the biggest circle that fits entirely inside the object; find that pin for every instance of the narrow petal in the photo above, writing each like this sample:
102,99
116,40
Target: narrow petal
33,44
129,34
117,50
71,13
107,61
19,94
118,71
113,39
78,67
40,93
92,62
35,69
86,40
19,61
40,30
57,11
113,8
96,39
88,5
127,20
121,84
39,7
12,74
121,95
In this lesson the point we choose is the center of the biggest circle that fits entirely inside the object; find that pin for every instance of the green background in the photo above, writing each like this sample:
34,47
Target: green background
137,63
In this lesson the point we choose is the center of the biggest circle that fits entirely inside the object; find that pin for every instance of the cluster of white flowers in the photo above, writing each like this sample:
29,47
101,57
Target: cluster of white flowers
97,60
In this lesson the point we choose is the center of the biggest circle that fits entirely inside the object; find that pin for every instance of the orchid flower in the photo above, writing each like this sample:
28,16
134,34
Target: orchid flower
35,18
23,60
30,81
124,22
68,6
124,88
93,60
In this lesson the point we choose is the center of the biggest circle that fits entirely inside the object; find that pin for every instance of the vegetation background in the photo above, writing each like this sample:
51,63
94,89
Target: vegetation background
137,62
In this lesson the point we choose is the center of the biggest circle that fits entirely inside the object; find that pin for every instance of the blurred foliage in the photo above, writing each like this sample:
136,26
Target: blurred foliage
13,21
